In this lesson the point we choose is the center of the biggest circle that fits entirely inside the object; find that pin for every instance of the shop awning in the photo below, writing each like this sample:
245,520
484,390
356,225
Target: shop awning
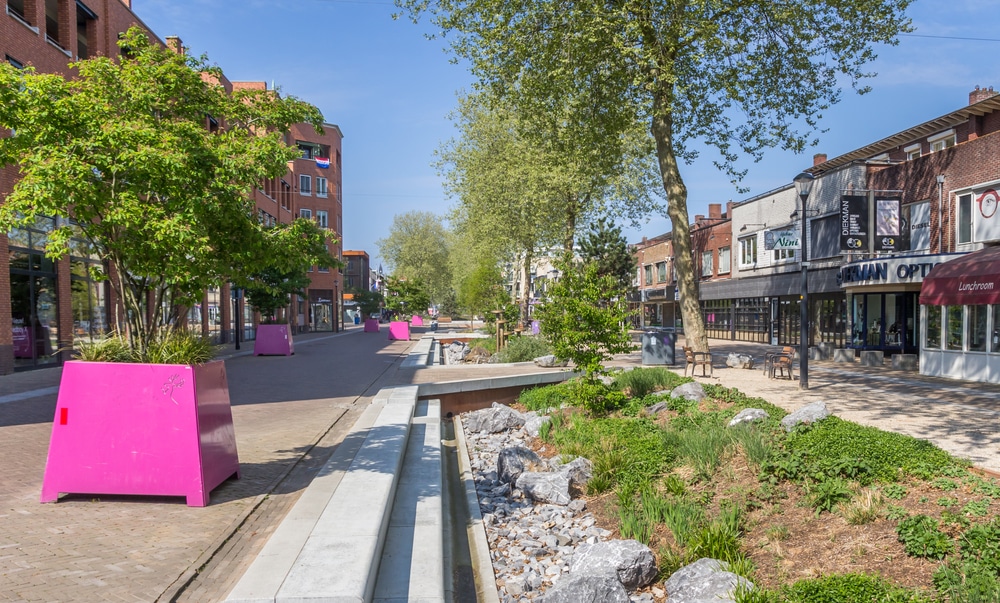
972,279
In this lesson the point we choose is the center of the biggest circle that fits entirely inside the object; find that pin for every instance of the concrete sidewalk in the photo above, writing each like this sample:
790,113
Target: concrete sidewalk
290,415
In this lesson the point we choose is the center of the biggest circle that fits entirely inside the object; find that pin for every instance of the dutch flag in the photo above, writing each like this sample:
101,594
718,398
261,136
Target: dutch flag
323,162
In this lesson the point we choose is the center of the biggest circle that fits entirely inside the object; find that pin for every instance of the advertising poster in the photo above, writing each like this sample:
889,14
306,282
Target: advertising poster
887,224
853,222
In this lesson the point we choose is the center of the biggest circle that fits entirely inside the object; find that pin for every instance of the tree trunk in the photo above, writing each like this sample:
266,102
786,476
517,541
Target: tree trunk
572,214
677,211
526,285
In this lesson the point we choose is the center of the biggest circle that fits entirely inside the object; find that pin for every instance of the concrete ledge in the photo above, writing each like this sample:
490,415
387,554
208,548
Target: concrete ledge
843,355
429,390
420,353
479,544
905,362
412,563
872,358
824,350
329,545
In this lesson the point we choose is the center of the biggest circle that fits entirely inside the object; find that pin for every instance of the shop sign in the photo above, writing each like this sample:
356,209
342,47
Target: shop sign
888,272
782,239
853,222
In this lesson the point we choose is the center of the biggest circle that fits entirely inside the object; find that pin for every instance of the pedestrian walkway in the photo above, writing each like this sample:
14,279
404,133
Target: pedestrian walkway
290,415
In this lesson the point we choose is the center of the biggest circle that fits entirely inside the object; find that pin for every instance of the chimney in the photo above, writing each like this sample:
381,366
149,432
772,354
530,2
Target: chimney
714,211
698,218
729,209
127,3
819,158
981,94
174,44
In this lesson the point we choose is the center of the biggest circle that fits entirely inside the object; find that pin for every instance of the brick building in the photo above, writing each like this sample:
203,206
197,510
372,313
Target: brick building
927,197
54,305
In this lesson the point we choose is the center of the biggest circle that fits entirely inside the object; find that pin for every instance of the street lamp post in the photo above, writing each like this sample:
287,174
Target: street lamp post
803,185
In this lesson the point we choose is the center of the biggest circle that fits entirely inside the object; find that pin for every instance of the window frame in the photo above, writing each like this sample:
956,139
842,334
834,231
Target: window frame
321,186
941,141
306,213
323,218
725,259
305,185
707,261
748,251
661,272
963,219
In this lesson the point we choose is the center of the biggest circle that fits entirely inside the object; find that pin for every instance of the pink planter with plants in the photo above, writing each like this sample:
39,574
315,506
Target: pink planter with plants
144,429
417,321
399,329
371,325
273,340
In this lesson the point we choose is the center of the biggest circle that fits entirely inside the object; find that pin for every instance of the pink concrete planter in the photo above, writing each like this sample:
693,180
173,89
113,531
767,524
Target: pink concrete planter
417,321
146,429
399,329
273,340
371,325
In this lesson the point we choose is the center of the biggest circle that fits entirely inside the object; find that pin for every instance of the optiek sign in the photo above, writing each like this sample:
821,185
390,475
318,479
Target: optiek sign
890,271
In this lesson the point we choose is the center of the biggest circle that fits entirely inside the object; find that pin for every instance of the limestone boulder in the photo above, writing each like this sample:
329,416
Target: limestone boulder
513,461
494,419
810,413
545,487
630,560
704,581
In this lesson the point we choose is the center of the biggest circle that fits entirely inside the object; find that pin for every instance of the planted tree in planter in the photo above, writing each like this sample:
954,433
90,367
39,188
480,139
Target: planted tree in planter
127,157
296,247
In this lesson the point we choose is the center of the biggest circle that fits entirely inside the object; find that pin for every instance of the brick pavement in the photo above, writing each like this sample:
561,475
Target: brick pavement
289,415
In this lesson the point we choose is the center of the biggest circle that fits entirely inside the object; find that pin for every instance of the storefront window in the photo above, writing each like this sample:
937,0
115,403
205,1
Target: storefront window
89,300
933,314
995,339
977,328
953,325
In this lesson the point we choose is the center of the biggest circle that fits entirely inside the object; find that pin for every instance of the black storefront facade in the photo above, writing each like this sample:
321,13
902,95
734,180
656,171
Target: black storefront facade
766,309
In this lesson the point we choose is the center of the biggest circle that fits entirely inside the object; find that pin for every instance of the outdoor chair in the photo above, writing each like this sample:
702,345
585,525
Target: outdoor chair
780,363
695,359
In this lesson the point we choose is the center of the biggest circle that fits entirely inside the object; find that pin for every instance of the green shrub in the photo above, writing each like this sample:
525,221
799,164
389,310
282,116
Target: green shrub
641,382
894,491
881,453
524,348
827,494
624,450
595,397
982,544
967,582
703,447
546,397
850,588
922,538
168,347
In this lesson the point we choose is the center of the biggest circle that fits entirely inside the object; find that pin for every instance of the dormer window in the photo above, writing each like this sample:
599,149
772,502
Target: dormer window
912,151
942,141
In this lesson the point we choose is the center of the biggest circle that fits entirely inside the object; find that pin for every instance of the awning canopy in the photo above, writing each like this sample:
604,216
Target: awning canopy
972,279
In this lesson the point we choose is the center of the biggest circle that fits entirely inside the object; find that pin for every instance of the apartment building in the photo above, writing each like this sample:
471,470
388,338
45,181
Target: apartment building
54,305
317,186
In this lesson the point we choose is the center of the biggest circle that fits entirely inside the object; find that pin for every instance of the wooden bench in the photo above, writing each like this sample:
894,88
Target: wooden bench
782,363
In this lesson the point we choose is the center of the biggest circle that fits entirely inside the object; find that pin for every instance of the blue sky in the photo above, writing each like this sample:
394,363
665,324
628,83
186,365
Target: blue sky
390,90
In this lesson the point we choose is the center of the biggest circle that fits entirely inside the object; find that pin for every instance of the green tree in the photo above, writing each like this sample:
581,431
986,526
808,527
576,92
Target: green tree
524,183
417,249
739,77
295,248
369,302
585,317
123,150
406,296
605,246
